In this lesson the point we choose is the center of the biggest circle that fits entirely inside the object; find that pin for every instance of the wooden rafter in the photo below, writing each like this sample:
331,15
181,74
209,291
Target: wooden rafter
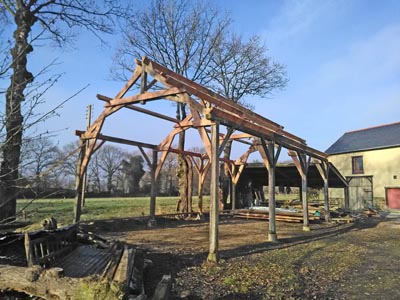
140,109
146,96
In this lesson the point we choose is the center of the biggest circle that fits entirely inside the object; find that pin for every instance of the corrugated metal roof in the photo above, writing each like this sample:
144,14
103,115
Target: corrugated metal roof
384,136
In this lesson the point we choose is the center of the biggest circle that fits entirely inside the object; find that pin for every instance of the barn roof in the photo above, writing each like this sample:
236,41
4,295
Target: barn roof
288,175
384,136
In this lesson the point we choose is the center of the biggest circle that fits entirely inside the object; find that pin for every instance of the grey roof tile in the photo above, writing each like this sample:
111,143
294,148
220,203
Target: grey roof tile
383,136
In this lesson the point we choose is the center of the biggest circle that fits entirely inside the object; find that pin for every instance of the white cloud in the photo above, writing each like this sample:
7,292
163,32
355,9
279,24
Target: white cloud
299,18
367,62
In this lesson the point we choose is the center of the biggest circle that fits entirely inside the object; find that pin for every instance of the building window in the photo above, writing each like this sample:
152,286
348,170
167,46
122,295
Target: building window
358,166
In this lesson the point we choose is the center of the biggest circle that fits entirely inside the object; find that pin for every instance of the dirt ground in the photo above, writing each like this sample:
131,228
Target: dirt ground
359,260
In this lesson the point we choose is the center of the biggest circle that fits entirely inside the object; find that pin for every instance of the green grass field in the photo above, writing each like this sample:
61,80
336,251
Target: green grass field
105,208
98,208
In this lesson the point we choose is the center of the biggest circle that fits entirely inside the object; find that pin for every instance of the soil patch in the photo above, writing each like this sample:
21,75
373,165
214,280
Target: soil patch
329,262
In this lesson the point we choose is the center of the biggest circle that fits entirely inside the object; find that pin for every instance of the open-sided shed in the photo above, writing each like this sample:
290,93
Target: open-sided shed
207,112
287,175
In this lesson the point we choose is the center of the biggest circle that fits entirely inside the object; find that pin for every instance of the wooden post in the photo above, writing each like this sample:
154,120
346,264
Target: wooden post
28,249
267,152
79,183
200,194
346,198
304,191
304,200
214,201
271,200
302,164
233,195
152,221
323,169
326,193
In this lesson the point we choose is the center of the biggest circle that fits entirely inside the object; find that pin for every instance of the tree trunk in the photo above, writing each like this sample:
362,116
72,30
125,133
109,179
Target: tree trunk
181,173
109,184
183,168
225,177
20,78
49,284
189,185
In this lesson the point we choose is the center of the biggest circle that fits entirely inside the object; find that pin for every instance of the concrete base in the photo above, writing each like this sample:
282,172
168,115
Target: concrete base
272,237
306,228
151,223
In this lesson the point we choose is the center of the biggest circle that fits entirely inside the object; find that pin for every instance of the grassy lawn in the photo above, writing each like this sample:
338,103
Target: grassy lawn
106,208
98,208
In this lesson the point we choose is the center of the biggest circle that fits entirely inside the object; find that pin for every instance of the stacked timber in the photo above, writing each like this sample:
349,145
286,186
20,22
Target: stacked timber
281,214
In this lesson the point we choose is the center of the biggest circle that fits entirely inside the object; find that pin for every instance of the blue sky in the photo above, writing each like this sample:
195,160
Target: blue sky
342,58
343,62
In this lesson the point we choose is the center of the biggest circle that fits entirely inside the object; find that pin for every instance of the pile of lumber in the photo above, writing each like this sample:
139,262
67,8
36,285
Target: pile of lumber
280,215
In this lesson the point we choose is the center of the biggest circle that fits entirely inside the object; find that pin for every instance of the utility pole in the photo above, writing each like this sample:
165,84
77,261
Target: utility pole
88,121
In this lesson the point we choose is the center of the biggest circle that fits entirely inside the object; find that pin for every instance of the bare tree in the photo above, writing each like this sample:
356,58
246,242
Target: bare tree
69,156
38,163
38,20
95,174
194,40
180,35
240,69
111,159
133,170
167,183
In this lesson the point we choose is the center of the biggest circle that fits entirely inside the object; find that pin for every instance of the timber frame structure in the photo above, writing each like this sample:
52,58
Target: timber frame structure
207,112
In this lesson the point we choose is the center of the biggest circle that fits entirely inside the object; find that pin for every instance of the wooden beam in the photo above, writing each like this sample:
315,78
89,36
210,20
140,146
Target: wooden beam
140,109
95,128
241,136
205,138
190,102
257,130
225,140
170,78
146,96
143,83
175,79
118,140
135,76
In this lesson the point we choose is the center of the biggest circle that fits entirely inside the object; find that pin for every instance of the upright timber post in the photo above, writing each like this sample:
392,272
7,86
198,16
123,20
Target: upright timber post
233,195
323,169
214,201
79,177
270,159
346,198
302,164
152,221
304,192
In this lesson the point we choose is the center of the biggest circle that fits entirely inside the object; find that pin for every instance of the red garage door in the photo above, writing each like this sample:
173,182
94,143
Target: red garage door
393,197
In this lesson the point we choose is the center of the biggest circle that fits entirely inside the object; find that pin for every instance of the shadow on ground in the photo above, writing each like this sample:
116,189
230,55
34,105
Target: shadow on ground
175,257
